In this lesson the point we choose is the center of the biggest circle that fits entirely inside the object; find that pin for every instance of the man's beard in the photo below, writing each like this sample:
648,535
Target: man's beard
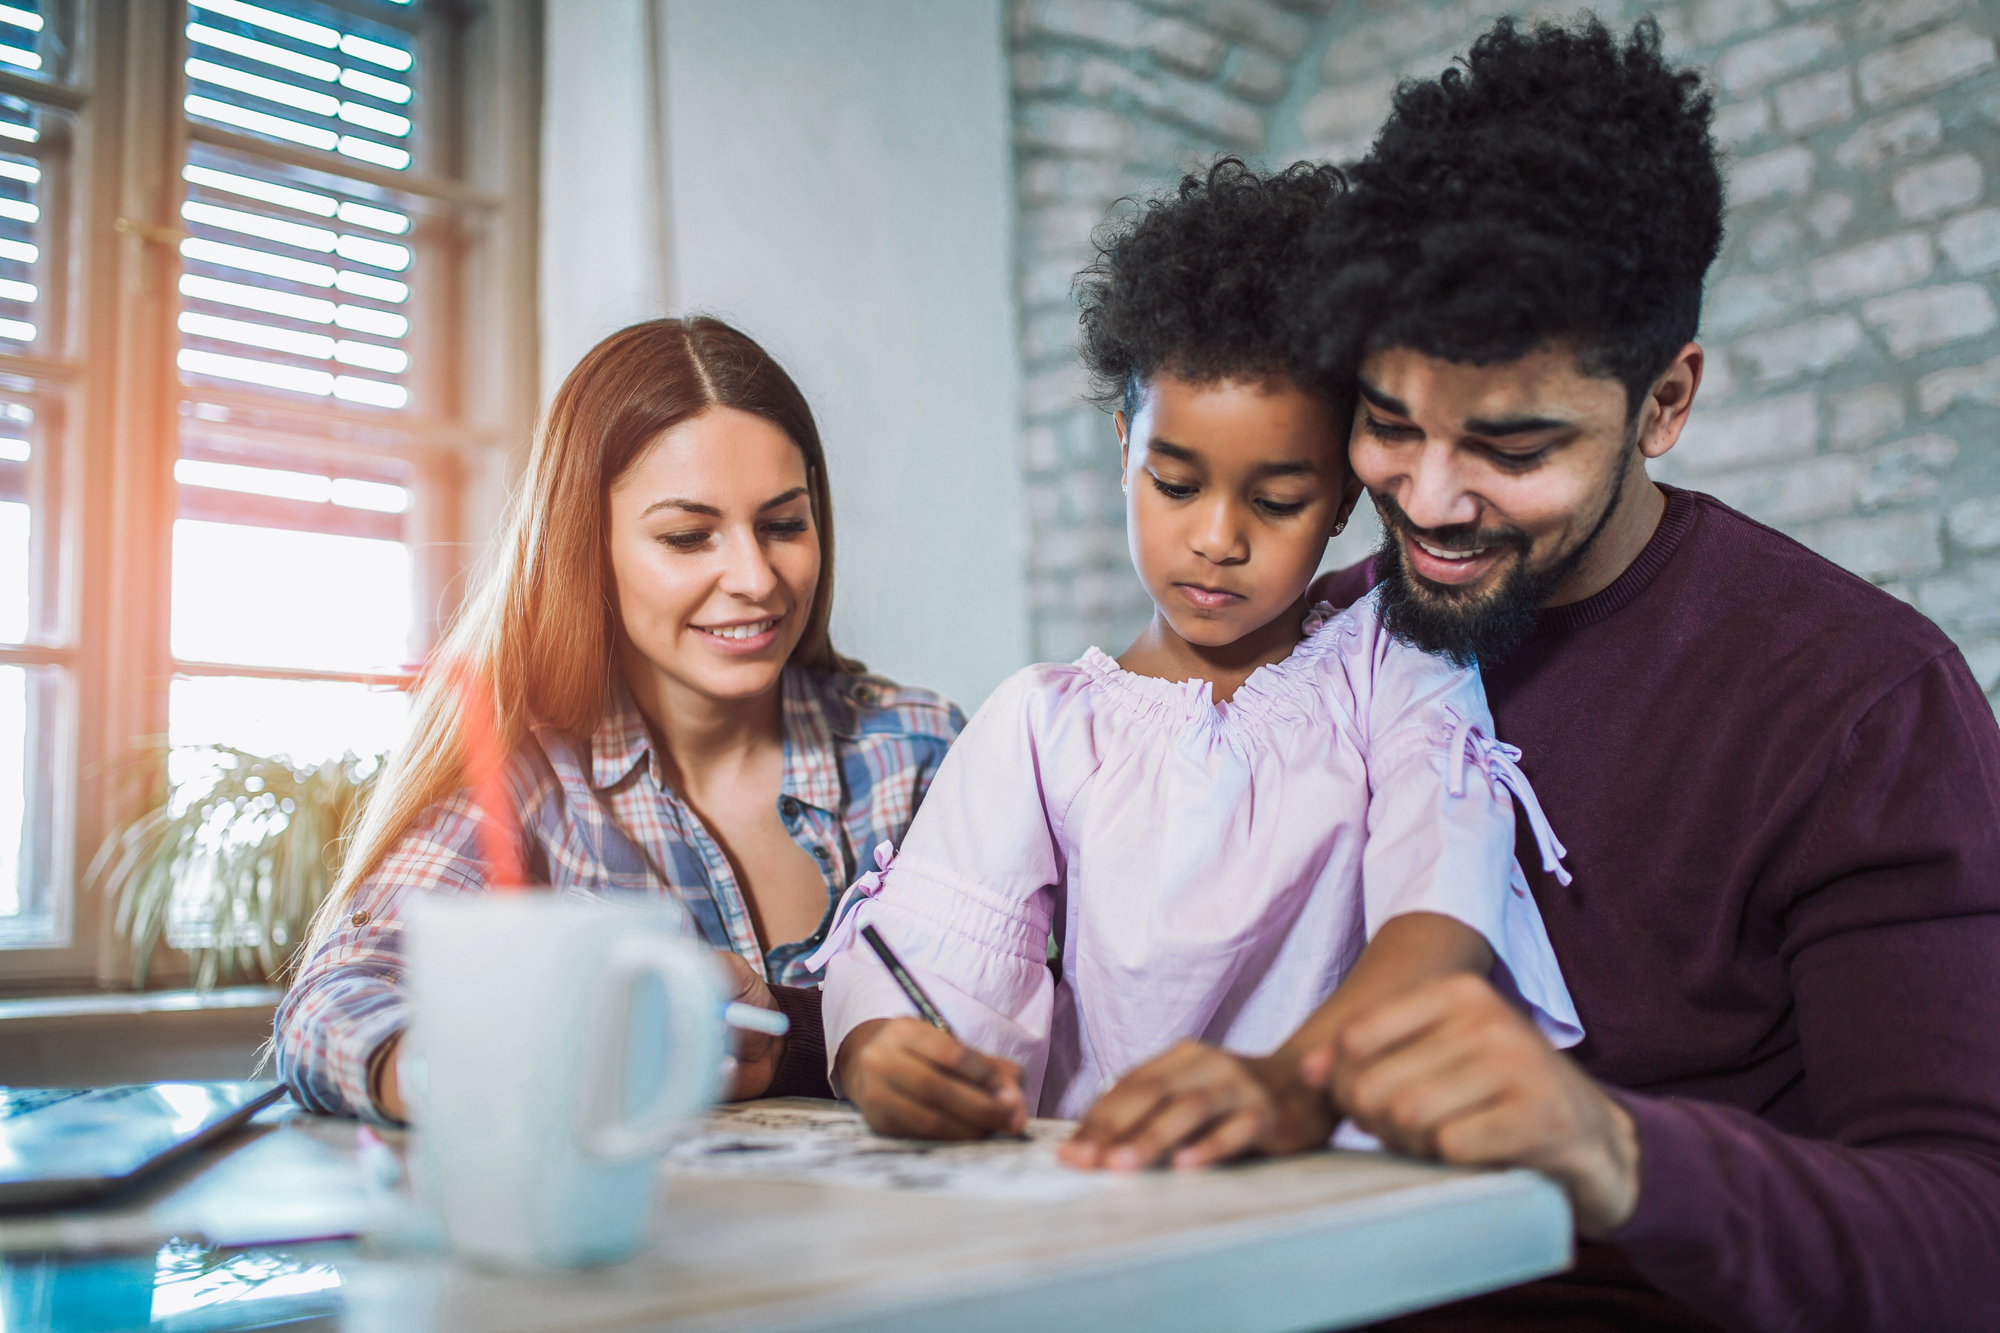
1469,627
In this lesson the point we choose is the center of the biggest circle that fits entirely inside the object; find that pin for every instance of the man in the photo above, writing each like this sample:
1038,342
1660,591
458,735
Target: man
1779,787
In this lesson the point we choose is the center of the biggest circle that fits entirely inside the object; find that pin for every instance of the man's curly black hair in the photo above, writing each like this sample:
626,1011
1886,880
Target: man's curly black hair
1560,187
1206,283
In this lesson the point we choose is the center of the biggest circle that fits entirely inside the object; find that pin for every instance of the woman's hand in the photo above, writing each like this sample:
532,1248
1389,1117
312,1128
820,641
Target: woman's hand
757,1054
911,1080
388,1089
1197,1105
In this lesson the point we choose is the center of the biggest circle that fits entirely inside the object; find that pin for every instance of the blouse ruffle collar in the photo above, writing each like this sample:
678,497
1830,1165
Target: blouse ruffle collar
1282,692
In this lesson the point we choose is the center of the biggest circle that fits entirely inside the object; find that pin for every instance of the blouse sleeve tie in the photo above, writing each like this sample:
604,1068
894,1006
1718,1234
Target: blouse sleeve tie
1501,764
841,934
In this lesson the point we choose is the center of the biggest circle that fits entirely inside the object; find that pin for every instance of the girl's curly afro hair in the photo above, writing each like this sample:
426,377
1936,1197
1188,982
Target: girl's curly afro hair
1560,187
1207,282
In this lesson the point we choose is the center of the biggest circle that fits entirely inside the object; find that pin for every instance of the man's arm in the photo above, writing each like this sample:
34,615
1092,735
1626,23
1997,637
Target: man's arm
1892,941
1890,1217
1757,1229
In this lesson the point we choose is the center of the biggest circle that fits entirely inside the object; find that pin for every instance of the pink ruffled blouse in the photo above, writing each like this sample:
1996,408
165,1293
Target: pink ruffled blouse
1208,871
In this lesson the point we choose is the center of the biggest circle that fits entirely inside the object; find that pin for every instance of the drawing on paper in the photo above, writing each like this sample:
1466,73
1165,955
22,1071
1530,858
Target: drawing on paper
804,1139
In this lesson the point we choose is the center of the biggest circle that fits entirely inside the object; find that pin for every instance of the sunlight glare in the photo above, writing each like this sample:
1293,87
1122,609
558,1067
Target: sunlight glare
13,776
279,598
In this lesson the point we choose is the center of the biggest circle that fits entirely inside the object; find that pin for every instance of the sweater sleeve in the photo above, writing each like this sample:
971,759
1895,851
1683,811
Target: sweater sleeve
803,1070
1889,1218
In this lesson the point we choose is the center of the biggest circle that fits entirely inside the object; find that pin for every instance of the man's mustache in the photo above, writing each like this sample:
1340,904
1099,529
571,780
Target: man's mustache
1453,537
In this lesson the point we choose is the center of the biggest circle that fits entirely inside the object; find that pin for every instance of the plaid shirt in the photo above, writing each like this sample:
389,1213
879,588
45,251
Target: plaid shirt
601,821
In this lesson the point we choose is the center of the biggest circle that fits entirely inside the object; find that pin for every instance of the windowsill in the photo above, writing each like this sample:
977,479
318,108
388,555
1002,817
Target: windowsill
116,1004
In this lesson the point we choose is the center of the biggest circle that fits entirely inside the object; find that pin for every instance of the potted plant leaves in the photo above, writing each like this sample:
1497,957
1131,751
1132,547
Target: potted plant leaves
229,868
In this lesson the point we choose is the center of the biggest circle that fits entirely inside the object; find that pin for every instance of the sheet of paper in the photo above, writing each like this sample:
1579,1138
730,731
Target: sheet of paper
798,1139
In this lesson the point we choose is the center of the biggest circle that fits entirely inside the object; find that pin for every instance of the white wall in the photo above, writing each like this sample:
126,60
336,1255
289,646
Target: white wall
604,233
838,184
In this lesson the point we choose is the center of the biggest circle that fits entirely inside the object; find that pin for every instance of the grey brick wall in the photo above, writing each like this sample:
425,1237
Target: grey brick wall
1111,99
1853,390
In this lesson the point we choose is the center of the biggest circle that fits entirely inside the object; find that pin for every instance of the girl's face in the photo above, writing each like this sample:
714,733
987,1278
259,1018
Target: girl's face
1233,489
715,554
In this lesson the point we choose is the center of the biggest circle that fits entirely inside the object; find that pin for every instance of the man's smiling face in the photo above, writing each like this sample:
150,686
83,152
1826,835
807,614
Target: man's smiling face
1505,488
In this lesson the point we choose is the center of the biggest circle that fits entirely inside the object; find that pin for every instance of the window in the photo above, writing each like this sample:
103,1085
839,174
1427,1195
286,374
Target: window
39,471
297,283
262,355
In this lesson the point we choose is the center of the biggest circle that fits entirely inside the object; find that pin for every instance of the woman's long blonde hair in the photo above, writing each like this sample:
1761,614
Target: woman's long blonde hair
541,631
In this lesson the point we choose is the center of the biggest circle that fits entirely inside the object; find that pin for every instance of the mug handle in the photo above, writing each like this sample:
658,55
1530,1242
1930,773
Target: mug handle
694,1027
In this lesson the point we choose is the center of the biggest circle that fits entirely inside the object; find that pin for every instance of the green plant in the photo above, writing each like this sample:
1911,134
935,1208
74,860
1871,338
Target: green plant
231,865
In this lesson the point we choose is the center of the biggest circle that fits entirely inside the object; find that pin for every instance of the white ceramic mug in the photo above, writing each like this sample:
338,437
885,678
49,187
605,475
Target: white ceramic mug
559,1046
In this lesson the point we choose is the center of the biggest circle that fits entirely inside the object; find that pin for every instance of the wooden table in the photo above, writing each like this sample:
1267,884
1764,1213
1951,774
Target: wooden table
1326,1241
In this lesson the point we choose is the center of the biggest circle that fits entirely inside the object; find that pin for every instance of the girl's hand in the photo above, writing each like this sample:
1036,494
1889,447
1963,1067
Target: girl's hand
1197,1105
757,1054
911,1080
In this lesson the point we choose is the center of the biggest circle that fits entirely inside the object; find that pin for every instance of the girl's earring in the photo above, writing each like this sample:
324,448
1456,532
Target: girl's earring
1340,527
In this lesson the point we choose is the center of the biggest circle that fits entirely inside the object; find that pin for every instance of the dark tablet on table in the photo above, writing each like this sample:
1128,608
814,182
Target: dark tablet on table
71,1145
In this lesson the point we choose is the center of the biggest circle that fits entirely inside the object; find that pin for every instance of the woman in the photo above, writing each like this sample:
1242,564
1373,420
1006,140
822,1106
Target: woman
655,641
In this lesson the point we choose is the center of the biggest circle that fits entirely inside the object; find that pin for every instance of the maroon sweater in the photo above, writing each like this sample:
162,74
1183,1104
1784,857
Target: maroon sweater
1780,791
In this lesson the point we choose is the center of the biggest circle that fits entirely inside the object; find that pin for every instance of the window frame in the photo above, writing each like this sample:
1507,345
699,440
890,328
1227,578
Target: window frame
112,366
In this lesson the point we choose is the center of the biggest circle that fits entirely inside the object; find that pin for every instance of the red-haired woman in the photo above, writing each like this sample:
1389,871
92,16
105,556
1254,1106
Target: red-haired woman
655,638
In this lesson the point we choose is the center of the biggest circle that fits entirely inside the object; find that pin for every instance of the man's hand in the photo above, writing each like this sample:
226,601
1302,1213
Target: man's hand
913,1081
1197,1105
757,1054
1451,1071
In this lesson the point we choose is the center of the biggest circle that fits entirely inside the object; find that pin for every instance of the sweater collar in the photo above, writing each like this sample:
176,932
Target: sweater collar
1638,576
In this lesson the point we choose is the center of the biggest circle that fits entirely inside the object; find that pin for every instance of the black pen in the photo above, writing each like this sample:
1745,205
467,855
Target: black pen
903,978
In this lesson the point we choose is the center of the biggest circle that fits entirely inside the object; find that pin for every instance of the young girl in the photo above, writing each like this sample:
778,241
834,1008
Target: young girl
1257,800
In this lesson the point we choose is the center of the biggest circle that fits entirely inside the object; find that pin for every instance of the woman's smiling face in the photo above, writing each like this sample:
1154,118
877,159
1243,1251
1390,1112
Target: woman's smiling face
715,555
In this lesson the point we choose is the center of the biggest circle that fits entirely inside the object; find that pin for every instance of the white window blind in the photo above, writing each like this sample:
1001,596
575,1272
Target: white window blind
30,45
33,40
36,684
20,218
300,273
303,73
298,280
